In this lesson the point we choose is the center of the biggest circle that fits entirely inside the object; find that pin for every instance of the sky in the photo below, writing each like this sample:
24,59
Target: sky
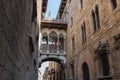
42,68
53,6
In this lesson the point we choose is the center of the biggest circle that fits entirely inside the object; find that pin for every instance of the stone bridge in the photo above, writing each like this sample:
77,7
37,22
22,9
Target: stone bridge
53,44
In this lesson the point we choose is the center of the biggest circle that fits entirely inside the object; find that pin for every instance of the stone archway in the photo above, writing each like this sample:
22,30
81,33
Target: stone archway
60,61
85,70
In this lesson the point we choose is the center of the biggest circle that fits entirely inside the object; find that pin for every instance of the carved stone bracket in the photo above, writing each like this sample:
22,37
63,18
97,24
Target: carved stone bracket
117,42
102,48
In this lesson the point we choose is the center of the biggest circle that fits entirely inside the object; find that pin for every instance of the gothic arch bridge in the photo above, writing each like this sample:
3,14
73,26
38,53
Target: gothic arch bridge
53,44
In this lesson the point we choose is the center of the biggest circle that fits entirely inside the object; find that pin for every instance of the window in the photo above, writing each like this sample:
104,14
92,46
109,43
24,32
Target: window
102,52
95,19
85,70
105,64
44,43
44,39
34,11
83,33
114,4
81,4
71,21
34,61
31,47
73,44
53,42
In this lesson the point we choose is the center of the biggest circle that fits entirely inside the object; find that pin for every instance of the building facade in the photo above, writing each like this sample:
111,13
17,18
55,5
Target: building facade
19,31
45,75
93,39
51,70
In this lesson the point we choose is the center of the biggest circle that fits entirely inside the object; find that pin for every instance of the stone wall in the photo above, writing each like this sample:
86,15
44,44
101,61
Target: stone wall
109,27
18,48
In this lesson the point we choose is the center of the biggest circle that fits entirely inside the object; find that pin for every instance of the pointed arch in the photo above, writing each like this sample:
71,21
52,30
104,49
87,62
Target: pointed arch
53,34
44,34
61,42
53,42
44,38
83,27
97,17
93,20
114,4
85,70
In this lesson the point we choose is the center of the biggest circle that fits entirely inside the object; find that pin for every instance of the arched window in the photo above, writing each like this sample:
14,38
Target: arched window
114,4
105,64
85,70
53,42
81,4
83,33
93,20
44,38
53,37
102,52
96,19
61,42
44,42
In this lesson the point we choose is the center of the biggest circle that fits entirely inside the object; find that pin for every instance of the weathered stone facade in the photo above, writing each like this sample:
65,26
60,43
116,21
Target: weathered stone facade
18,40
105,40
45,75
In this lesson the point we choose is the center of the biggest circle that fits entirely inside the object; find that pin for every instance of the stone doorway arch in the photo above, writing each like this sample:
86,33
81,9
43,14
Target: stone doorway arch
85,70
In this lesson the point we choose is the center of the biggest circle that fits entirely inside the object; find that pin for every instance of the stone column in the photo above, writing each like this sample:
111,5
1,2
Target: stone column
48,48
64,45
58,44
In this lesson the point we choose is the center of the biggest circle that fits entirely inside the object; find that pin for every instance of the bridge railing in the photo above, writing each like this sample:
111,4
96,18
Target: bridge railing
52,51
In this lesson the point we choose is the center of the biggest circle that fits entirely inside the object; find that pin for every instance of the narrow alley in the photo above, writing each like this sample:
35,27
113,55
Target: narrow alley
81,41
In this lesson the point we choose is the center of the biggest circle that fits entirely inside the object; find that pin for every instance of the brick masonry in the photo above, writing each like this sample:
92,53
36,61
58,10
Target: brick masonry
109,27
16,62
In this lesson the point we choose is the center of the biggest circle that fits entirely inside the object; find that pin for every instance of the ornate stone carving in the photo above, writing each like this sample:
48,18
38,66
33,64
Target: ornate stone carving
102,48
117,42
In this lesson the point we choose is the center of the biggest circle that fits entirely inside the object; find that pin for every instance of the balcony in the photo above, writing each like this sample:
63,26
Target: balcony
45,49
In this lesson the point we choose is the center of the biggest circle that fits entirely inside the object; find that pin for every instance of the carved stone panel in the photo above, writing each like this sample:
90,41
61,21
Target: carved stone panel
102,48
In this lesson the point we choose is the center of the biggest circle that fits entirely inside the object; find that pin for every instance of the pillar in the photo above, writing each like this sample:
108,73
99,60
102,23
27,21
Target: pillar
58,44
64,45
48,48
